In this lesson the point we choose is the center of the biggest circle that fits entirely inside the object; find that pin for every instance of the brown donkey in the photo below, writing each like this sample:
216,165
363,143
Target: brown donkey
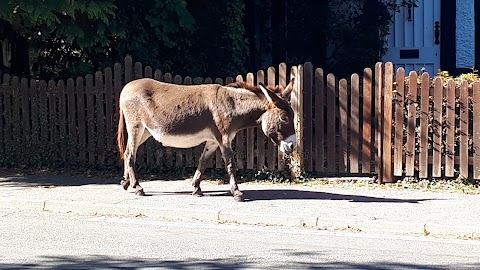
185,116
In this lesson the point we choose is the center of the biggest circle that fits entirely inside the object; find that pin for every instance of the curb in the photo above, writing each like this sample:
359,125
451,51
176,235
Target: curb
212,216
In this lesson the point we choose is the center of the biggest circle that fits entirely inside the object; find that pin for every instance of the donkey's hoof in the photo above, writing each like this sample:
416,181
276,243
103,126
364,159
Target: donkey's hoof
197,194
139,192
239,198
125,184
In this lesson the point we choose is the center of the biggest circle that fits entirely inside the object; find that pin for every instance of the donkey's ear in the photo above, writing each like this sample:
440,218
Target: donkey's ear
288,90
267,93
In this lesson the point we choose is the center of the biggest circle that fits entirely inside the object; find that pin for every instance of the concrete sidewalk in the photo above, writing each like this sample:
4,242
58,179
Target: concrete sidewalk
349,208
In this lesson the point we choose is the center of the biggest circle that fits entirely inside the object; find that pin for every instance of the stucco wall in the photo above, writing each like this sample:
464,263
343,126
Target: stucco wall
465,34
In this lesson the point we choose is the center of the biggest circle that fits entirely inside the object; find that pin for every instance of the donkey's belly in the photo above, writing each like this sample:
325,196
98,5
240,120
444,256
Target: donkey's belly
185,140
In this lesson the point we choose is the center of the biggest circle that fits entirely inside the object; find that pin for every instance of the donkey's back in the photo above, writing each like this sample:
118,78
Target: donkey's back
149,90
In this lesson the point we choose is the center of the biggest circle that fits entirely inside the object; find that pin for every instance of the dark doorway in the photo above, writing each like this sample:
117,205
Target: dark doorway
447,36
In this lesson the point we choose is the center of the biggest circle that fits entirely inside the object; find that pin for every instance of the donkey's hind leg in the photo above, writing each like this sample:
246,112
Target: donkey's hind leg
127,168
137,136
210,148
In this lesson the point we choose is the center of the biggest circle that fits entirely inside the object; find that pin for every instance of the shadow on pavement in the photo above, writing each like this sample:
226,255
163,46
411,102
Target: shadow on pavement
49,180
292,194
104,262
27,180
249,195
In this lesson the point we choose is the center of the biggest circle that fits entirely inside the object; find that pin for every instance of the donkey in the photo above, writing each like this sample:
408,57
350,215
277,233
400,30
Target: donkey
185,116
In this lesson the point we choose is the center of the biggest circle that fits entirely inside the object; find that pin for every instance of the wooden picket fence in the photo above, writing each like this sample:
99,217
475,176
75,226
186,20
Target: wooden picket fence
382,122
390,124
74,122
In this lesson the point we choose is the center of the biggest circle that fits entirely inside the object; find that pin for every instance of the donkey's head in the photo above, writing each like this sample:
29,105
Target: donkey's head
277,121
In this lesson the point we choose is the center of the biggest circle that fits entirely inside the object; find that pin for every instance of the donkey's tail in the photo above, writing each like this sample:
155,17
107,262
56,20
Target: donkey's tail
121,134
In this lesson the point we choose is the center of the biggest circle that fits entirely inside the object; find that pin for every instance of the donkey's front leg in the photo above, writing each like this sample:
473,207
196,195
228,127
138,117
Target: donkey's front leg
228,158
126,174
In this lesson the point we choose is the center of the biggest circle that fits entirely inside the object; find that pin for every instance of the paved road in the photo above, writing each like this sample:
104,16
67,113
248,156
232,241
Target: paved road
32,239
363,210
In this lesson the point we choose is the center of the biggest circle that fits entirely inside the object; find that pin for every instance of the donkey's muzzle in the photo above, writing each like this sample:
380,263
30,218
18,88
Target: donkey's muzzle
287,146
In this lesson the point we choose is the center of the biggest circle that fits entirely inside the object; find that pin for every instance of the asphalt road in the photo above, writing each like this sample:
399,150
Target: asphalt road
70,241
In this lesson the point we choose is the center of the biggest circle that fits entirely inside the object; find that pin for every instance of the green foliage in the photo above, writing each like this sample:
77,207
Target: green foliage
292,172
68,38
470,77
232,38
169,18
215,48
155,31
265,174
61,34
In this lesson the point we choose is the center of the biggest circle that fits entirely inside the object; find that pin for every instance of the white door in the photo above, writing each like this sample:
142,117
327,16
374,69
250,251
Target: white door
414,39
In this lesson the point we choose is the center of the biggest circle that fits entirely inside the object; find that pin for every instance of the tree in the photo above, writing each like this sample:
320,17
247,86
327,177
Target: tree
62,32
66,38
204,38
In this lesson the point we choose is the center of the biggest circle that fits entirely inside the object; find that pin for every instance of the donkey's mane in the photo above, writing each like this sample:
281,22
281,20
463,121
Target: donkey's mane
253,88
244,85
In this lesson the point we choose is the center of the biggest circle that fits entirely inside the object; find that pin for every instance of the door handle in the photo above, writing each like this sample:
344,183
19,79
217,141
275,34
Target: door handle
437,32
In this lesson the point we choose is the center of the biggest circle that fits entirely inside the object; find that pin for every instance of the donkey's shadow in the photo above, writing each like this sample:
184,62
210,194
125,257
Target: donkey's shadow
294,194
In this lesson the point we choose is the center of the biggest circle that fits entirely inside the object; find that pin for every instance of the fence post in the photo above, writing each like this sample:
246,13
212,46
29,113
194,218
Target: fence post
128,69
354,123
4,113
464,136
62,116
308,113
109,103
411,119
367,121
399,103
297,106
82,120
16,120
387,125
437,127
330,126
72,141
271,149
250,131
424,108
343,125
261,139
90,119
100,117
450,129
319,120
379,119
476,130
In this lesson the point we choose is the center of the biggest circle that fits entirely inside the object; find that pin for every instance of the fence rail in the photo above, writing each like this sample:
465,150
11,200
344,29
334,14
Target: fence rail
383,121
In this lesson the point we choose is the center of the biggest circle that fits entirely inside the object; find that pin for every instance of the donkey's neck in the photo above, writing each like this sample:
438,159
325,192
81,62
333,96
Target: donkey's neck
247,102
245,107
